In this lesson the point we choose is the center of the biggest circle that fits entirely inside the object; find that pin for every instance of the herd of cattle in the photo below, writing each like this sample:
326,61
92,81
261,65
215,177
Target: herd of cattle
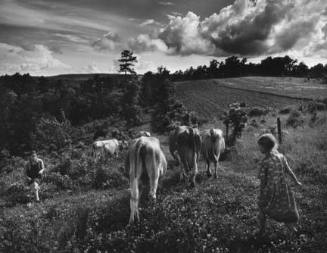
145,156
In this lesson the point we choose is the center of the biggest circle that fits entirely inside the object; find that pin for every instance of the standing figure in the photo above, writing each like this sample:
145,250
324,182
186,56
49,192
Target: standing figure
276,199
34,171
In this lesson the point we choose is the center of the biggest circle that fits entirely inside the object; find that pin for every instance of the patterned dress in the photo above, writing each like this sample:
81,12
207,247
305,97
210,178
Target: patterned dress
276,198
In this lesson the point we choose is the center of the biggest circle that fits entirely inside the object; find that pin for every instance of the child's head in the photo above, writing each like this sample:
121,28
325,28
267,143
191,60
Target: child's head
267,142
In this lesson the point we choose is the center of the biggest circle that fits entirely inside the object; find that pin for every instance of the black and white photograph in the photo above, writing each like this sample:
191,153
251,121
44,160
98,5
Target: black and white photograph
163,126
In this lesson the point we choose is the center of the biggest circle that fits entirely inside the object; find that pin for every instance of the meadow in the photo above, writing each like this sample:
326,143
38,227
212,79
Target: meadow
85,205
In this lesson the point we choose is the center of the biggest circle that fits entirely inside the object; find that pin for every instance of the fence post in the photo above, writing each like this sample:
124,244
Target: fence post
227,136
279,130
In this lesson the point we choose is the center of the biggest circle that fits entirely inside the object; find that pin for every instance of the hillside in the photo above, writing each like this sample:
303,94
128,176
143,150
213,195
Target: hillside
85,204
210,97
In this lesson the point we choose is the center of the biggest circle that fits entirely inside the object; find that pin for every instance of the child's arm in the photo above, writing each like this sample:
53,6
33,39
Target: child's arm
290,172
42,167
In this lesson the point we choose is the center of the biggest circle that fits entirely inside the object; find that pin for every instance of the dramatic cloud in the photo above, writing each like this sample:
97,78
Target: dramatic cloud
144,42
248,28
108,42
36,61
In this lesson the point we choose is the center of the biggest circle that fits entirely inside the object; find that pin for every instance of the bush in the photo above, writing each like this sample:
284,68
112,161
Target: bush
107,178
257,112
314,106
295,119
286,110
62,182
51,135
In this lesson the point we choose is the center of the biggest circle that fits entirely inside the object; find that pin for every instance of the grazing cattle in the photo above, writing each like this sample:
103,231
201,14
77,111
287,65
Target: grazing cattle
185,147
106,148
213,144
144,158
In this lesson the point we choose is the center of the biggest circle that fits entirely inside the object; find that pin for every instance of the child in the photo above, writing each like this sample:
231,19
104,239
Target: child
34,171
276,198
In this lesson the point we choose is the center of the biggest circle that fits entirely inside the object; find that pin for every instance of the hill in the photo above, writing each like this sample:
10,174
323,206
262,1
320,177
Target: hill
85,204
210,97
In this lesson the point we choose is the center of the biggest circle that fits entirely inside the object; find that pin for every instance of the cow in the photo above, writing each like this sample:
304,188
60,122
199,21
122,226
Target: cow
185,147
106,148
213,144
144,159
144,133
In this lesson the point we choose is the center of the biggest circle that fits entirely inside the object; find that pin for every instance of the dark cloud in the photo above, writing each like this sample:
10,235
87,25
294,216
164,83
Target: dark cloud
248,28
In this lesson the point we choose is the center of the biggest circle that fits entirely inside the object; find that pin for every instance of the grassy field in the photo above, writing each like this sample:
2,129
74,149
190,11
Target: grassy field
210,97
85,205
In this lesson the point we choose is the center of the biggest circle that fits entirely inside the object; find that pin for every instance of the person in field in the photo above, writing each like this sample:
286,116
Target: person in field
34,171
276,199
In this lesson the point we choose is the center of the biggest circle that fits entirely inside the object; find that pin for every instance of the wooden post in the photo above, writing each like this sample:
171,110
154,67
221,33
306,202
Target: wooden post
279,129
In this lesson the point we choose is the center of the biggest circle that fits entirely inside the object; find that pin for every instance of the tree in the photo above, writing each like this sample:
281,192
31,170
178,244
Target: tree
127,62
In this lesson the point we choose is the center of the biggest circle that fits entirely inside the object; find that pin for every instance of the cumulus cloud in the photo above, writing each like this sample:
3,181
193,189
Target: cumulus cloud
108,42
246,27
38,60
145,42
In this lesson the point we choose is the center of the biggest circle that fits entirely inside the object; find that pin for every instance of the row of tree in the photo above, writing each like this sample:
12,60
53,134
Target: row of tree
234,67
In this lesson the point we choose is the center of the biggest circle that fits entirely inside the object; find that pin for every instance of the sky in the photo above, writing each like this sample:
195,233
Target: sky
50,37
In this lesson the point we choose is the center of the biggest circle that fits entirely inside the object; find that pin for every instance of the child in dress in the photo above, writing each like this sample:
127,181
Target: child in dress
276,199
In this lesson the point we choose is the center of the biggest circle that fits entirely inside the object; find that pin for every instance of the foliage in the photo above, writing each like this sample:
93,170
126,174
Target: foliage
236,118
235,67
51,135
295,119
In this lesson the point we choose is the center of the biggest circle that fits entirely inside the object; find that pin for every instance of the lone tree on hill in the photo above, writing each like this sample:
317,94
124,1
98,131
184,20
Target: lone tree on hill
127,62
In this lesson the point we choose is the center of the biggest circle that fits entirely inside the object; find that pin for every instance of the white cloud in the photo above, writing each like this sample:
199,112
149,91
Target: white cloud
108,42
144,42
246,27
37,61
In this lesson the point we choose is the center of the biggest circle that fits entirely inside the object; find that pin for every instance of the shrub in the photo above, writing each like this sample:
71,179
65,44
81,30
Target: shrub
314,106
257,112
62,182
107,178
295,119
286,110
51,135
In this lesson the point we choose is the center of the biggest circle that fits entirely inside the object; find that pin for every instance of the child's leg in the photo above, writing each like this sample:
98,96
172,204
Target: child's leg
36,189
262,221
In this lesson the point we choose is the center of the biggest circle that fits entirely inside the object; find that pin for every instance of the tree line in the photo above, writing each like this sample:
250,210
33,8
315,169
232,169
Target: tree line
235,67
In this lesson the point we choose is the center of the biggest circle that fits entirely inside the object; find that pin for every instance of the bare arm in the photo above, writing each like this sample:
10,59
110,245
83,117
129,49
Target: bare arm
290,172
42,167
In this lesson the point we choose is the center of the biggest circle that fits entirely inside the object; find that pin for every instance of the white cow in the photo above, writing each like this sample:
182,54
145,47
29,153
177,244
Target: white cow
106,148
213,144
144,133
144,158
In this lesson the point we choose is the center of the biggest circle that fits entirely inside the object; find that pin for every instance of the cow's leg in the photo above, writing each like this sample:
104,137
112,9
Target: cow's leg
208,168
195,170
134,200
153,186
182,174
216,168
